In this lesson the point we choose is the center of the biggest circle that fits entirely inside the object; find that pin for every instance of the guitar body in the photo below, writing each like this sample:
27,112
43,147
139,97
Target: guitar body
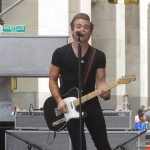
56,121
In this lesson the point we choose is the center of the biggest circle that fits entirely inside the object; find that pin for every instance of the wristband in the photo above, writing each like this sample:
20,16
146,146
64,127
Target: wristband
59,99
106,98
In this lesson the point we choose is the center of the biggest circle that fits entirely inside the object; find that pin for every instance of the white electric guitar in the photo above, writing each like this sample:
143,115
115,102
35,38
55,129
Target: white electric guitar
57,121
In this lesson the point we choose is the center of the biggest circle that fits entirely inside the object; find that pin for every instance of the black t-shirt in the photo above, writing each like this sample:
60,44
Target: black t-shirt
65,58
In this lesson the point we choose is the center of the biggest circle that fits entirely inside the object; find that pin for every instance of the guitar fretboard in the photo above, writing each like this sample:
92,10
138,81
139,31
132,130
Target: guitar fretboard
93,94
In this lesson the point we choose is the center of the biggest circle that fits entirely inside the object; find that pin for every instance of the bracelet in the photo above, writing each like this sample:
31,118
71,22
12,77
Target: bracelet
59,99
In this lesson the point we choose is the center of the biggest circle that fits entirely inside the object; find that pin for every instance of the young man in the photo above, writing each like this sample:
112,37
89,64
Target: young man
137,115
65,63
142,124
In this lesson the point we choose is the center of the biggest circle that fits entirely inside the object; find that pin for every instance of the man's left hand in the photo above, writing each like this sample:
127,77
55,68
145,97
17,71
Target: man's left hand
103,93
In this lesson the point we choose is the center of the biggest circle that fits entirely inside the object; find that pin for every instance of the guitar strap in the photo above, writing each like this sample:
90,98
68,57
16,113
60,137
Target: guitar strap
88,67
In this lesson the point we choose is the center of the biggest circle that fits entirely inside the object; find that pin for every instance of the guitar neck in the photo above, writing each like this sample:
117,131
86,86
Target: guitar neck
93,94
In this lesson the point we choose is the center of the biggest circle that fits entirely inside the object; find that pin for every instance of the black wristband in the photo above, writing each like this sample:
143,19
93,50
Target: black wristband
107,99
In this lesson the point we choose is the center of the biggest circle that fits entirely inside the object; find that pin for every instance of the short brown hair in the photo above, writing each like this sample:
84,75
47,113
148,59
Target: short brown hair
141,114
81,16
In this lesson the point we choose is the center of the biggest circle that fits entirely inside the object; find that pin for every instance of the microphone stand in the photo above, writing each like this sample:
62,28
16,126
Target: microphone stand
80,93
30,145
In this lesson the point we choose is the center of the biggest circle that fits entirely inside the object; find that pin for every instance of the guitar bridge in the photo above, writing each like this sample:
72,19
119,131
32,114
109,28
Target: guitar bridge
57,112
59,122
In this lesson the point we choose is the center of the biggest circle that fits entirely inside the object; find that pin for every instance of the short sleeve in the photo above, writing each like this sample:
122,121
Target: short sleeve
56,58
101,60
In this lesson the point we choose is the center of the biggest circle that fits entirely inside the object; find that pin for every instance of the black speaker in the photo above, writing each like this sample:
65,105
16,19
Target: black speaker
4,126
20,140
116,138
62,140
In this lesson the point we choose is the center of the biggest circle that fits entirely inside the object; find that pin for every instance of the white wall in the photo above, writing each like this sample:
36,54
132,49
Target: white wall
53,17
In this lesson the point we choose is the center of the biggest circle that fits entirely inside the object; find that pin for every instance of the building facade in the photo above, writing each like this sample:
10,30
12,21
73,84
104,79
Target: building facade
120,31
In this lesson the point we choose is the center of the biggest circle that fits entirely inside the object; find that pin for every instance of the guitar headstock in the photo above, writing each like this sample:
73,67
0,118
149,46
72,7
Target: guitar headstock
126,79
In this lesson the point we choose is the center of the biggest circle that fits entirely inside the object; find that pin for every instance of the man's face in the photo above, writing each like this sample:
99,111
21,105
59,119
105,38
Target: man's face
83,26
143,118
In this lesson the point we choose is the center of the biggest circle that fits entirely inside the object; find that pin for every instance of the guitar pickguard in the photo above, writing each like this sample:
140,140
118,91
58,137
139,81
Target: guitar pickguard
57,113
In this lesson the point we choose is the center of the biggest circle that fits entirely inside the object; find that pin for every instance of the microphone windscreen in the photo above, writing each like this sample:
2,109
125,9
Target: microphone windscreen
80,33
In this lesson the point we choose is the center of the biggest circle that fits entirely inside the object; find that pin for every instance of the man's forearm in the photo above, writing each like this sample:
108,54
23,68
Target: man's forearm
54,89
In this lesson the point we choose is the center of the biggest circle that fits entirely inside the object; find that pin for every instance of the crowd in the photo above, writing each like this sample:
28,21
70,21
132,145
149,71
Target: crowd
142,118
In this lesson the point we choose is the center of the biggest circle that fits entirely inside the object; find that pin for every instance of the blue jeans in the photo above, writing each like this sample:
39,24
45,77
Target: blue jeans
95,123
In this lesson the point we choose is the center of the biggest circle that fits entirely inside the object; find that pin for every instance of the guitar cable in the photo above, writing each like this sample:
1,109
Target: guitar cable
53,138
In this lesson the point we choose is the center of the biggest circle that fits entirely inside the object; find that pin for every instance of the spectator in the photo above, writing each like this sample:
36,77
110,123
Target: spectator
15,109
148,115
141,125
143,107
137,115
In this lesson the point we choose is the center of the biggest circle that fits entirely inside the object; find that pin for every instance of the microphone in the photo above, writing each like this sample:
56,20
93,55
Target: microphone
80,33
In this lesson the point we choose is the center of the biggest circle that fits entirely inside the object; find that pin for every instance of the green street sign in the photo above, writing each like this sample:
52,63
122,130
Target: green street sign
13,28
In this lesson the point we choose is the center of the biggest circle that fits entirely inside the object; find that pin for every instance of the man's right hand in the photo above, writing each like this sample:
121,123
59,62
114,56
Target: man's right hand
62,107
